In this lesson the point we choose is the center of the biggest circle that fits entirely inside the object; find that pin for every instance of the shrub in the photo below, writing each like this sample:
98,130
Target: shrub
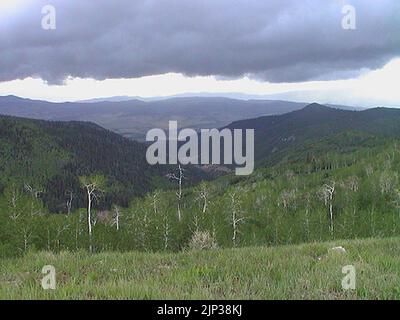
202,240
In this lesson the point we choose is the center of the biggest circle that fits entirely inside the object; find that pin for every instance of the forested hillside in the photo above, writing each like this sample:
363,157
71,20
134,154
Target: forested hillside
332,195
277,137
47,159
323,174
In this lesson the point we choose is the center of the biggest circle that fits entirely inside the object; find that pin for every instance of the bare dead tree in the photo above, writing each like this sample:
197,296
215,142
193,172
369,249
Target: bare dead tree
307,198
166,232
154,202
236,218
14,197
141,221
94,187
68,205
196,220
203,194
94,220
116,217
165,222
48,239
27,235
145,227
327,194
35,194
179,178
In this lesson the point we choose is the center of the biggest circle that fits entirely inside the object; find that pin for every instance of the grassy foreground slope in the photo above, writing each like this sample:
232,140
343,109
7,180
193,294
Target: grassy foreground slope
309,271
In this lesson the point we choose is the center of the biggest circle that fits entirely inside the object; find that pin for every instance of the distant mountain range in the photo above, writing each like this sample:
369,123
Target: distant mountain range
293,96
133,118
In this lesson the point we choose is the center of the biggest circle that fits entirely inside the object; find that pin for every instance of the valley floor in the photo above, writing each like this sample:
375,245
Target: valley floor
308,271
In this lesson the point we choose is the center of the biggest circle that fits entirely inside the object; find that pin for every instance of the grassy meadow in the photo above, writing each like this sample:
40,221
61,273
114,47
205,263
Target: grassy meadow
306,271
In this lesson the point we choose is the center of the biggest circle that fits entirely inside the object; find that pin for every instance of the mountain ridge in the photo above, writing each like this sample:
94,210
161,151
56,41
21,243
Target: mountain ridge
134,118
314,122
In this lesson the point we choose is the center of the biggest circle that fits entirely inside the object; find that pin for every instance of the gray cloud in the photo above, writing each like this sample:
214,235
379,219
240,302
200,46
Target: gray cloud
276,41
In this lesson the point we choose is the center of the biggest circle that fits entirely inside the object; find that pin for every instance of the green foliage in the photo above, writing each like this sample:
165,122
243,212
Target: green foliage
342,185
97,182
282,204
51,156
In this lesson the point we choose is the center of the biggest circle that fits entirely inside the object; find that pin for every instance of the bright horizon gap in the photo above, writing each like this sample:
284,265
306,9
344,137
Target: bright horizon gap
366,90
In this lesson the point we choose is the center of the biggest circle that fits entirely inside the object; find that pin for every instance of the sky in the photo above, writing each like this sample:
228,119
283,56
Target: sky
328,51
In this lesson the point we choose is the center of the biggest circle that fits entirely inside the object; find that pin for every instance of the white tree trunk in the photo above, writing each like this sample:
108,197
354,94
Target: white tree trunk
117,217
205,205
90,228
90,213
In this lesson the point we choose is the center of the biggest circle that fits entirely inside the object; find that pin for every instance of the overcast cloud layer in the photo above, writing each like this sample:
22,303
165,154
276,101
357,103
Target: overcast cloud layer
276,41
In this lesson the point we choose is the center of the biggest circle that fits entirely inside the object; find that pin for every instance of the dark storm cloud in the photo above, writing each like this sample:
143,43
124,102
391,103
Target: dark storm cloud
277,41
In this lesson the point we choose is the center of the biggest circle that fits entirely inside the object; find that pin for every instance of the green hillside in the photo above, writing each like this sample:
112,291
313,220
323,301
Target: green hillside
287,203
309,271
277,136
339,185
50,157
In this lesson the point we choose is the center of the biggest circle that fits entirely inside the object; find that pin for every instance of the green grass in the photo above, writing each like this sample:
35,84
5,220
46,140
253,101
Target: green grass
309,271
